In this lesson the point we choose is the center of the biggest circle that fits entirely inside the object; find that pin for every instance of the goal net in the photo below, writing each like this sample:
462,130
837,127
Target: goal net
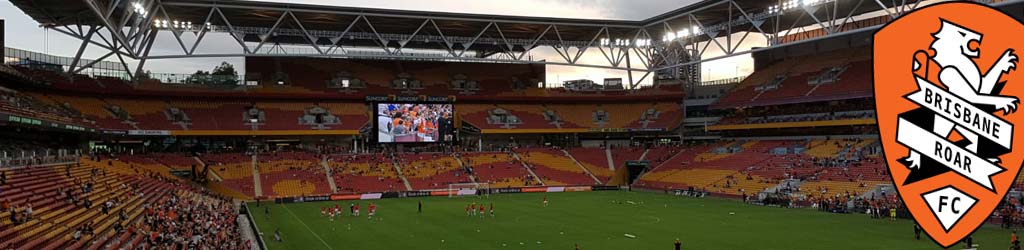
468,189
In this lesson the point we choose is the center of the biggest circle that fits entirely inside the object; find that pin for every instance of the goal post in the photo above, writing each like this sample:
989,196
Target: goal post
467,189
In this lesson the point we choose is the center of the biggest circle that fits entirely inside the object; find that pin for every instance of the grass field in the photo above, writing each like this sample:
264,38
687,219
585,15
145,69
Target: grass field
594,221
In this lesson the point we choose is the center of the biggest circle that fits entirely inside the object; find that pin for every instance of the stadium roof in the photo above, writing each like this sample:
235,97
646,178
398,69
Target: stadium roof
671,40
334,18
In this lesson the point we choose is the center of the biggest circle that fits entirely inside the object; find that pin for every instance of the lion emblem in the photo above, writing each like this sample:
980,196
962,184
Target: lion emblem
961,76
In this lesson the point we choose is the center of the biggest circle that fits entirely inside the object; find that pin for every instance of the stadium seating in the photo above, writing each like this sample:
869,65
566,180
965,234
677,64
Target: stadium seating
291,174
364,173
759,89
498,169
622,154
594,160
93,108
235,170
668,116
554,167
125,188
174,161
748,167
432,171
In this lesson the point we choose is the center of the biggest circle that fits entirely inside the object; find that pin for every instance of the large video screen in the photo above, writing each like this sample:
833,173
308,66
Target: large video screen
414,122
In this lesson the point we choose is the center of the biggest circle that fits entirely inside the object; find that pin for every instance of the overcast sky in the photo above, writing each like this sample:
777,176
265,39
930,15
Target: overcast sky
24,33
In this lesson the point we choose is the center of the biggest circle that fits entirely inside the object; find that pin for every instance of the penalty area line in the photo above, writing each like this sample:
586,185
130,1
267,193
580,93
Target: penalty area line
307,228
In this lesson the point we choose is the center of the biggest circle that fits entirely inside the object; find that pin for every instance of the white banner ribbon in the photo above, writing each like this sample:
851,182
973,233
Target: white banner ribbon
962,112
960,160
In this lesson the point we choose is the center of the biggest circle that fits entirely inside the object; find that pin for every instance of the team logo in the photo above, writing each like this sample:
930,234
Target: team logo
946,92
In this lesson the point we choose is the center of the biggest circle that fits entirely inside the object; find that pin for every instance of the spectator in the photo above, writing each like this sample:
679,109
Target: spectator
77,235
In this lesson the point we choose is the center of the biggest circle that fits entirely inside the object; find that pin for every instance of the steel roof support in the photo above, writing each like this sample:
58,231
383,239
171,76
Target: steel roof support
81,49
106,22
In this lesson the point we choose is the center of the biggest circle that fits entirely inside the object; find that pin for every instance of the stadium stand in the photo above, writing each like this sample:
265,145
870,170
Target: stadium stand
427,171
797,80
292,174
235,170
97,205
364,173
498,169
828,167
554,167
595,160
622,154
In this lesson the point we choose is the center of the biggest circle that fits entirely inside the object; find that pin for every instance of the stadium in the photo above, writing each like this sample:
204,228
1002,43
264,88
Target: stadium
213,124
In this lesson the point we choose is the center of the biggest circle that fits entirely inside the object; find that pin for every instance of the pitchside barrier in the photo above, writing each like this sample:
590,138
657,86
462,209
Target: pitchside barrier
426,193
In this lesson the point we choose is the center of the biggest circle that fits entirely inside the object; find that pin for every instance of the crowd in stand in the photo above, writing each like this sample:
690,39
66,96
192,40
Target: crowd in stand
1011,212
198,222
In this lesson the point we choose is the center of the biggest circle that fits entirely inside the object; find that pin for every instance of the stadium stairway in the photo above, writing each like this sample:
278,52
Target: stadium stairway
213,174
555,168
497,169
257,187
327,171
611,160
590,169
462,164
522,162
236,172
394,163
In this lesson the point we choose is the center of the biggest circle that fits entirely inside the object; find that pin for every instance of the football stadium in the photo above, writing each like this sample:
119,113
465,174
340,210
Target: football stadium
453,124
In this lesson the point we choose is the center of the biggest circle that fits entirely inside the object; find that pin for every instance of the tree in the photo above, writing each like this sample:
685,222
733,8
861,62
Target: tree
200,77
147,75
225,74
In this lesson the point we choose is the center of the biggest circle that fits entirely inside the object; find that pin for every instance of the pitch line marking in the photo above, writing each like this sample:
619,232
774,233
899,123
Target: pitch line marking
307,228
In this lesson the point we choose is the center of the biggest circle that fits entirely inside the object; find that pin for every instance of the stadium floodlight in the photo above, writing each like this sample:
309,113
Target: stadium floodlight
139,9
683,33
643,42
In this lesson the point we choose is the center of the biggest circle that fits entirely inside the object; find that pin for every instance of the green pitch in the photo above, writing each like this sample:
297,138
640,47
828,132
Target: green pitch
595,220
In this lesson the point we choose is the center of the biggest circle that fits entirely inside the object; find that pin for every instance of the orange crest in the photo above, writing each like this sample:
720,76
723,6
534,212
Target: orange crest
946,91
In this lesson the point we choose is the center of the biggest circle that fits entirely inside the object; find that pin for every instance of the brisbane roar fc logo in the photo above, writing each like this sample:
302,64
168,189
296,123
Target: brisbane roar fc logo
946,92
